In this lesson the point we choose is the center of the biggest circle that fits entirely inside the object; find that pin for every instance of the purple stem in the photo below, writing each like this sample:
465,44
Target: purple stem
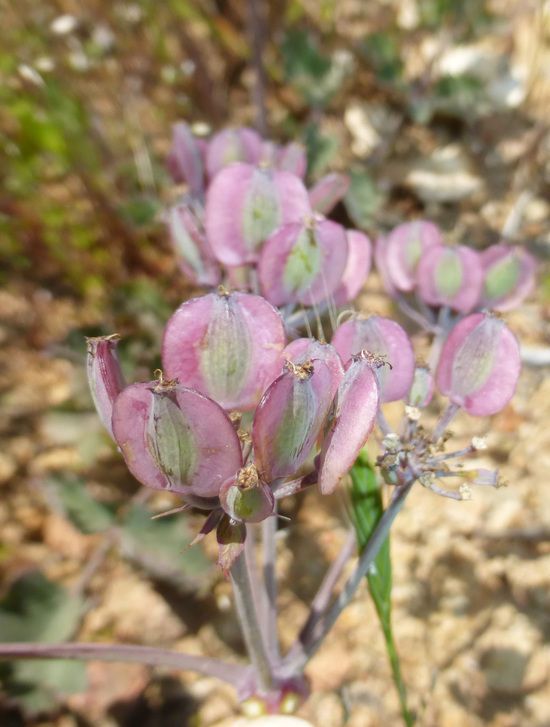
444,324
250,627
444,421
324,594
383,423
256,586
231,673
414,315
302,651
269,547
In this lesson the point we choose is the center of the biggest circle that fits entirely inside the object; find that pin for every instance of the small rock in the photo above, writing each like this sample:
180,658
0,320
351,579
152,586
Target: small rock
444,177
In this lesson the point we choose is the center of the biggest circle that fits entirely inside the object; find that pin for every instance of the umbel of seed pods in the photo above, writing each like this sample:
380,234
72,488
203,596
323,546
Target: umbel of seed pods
314,405
247,219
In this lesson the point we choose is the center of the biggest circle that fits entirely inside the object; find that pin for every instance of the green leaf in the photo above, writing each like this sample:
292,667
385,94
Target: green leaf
368,508
35,609
320,150
140,211
381,51
367,511
156,545
363,198
315,76
85,512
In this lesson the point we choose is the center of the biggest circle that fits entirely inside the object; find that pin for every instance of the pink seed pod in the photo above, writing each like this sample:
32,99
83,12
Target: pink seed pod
245,204
385,338
232,145
404,248
479,365
105,376
422,389
509,274
226,345
247,498
307,349
350,421
303,262
328,191
380,260
290,417
357,267
193,253
292,158
175,439
450,276
185,161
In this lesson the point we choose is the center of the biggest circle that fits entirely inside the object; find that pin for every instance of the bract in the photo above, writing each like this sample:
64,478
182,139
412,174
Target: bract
422,389
289,418
105,376
232,145
357,267
479,365
350,421
385,338
450,276
509,274
306,349
185,161
247,498
194,255
292,158
303,262
245,204
404,248
226,345
325,195
175,439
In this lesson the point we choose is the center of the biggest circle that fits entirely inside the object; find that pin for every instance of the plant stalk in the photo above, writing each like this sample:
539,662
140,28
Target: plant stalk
250,626
302,651
232,673
322,598
269,531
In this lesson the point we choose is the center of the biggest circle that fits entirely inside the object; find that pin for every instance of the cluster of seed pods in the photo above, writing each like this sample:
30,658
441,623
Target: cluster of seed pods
246,410
312,405
224,354
248,221
414,258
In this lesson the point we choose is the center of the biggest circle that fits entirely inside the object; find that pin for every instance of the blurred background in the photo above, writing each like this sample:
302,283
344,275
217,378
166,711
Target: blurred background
437,109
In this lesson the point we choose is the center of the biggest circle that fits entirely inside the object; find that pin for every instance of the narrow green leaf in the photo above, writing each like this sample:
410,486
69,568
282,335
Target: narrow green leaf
368,508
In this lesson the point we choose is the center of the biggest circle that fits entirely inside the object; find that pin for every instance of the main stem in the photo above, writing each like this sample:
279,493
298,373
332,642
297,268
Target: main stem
269,547
302,651
250,626
232,673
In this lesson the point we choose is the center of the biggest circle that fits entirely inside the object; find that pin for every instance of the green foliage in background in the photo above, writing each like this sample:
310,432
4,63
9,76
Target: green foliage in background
35,609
